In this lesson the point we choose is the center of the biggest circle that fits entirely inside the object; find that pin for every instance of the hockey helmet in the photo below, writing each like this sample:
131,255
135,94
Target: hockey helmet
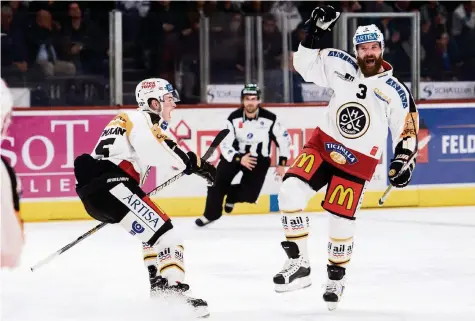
5,108
251,89
369,33
154,88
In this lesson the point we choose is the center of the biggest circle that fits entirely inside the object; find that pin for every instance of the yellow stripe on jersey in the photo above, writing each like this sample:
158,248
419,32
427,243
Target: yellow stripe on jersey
157,133
122,120
411,127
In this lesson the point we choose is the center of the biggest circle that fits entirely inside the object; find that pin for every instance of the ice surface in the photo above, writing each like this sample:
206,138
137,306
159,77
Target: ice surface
408,264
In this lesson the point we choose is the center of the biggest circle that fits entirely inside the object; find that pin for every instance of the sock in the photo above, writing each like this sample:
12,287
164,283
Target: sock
297,227
170,263
340,243
149,258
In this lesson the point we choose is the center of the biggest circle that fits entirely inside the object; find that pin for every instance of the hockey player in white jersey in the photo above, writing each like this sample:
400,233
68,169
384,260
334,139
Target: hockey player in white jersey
344,150
12,240
110,180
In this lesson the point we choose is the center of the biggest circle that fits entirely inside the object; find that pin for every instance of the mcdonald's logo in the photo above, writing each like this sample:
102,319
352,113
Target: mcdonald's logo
342,194
306,160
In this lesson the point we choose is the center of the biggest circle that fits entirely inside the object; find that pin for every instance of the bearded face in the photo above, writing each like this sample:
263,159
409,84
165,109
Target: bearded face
369,58
251,103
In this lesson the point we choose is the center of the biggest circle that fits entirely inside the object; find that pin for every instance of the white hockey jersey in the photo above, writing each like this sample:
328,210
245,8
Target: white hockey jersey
136,140
360,111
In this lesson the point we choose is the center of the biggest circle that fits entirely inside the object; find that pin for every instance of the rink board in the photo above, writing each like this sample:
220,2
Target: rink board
193,206
42,145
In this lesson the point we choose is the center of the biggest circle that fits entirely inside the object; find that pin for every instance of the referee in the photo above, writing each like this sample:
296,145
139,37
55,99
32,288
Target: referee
247,148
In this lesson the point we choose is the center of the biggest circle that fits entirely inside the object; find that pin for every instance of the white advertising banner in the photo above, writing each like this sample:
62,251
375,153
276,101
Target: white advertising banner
230,94
224,94
447,90
312,92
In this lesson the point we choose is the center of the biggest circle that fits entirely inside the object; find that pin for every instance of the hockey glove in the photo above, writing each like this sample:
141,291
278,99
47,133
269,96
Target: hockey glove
321,20
201,168
399,177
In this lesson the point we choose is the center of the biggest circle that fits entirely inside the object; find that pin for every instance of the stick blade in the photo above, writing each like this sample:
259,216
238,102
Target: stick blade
215,143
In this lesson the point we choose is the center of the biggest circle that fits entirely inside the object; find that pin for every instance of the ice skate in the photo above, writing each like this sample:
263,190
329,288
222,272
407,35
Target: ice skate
202,221
296,271
335,286
228,207
161,289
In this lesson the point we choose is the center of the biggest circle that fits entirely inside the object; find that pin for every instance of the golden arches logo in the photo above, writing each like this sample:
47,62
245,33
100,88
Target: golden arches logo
342,193
306,160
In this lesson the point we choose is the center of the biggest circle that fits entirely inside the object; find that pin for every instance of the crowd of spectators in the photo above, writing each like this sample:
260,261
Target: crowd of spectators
44,39
47,39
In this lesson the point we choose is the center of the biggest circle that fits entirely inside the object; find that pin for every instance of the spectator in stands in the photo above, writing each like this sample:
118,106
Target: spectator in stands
13,48
56,8
272,52
227,52
434,14
375,6
403,25
395,49
20,14
44,48
350,6
84,44
289,11
298,35
134,13
189,49
445,60
463,19
161,35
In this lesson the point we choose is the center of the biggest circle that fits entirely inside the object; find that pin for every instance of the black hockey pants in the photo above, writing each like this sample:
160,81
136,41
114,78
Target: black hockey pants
247,191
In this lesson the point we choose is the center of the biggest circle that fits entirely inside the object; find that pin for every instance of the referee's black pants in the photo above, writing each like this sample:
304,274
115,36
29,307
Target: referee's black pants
247,191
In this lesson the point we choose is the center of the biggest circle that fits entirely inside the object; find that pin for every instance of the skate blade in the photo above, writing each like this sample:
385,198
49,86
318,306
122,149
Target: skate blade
332,306
300,283
177,300
201,312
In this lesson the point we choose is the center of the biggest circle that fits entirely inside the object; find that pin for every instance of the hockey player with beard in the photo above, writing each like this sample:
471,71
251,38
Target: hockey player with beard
344,150
110,179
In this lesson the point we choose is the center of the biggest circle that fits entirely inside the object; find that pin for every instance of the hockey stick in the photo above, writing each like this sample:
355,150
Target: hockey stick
214,145
385,195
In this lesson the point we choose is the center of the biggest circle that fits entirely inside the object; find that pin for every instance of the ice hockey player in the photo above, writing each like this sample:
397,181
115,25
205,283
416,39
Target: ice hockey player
345,148
109,183
247,148
12,240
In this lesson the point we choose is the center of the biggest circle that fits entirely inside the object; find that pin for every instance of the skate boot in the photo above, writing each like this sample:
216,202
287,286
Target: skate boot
228,207
296,271
162,289
335,286
202,221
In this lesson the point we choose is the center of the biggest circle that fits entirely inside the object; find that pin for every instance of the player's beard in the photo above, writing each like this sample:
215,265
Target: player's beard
370,65
251,108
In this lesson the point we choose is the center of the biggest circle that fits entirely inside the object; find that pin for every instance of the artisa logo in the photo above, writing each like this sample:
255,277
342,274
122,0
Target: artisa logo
340,154
367,37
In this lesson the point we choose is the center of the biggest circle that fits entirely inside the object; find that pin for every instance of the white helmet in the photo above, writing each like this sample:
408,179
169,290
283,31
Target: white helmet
368,33
154,88
5,108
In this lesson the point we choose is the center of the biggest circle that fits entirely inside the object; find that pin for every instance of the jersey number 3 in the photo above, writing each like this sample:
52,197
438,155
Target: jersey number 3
103,147
362,94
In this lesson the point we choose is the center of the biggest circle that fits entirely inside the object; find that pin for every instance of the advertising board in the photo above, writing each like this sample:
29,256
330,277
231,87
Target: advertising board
42,146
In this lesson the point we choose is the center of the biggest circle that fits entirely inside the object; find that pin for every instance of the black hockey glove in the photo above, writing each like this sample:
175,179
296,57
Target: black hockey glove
321,20
201,168
397,177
